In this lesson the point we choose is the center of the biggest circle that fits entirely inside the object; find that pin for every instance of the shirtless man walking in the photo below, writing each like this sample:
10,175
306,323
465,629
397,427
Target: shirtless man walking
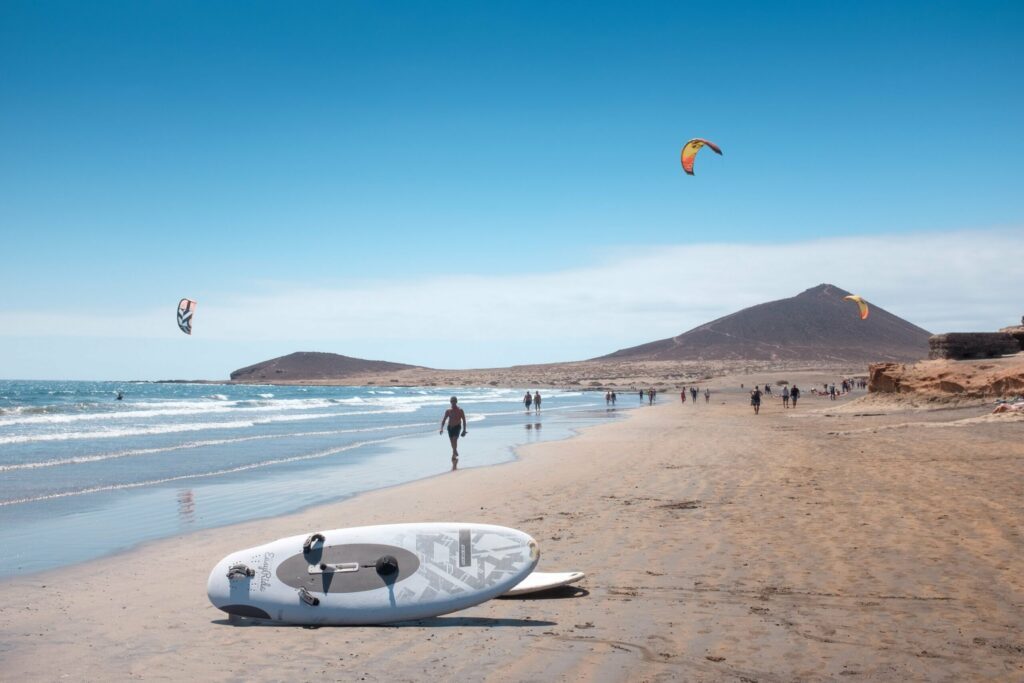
456,419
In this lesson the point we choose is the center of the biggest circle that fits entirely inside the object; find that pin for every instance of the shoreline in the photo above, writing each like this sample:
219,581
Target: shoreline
717,546
149,545
494,444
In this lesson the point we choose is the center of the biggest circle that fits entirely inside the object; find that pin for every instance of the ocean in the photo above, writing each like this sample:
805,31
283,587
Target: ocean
84,475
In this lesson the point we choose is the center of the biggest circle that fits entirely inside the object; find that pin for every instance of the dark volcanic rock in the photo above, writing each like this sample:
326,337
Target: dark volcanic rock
312,365
972,345
1017,332
816,325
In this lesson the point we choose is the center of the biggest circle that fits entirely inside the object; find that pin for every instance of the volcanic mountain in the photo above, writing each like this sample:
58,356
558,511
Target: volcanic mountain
815,325
312,365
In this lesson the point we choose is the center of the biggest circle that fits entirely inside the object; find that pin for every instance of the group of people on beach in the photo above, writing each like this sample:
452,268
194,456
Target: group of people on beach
789,394
694,393
532,400
455,419
845,387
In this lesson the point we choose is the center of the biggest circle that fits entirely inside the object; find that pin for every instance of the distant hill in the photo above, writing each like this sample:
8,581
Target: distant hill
815,325
312,365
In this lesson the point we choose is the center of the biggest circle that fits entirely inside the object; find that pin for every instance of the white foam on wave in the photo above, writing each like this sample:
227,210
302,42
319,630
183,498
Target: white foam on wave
172,409
190,427
200,475
188,445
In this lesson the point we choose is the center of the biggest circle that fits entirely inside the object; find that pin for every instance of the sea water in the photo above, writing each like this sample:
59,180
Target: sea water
83,474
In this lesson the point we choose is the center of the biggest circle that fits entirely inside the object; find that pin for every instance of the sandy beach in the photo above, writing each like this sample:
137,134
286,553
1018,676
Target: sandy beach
829,541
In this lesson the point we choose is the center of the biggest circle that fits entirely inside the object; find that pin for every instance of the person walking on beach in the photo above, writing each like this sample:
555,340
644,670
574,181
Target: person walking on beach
693,394
613,398
682,394
755,400
785,397
650,397
456,419
527,400
794,394
641,395
707,395
832,391
536,401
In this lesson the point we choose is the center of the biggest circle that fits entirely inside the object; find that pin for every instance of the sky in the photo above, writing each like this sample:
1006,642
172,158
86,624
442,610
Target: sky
486,184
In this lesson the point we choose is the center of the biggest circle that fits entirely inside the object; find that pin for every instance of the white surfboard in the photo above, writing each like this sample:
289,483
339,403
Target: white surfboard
373,574
542,581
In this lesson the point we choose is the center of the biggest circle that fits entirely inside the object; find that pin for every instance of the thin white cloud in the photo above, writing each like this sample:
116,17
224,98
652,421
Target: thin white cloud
941,281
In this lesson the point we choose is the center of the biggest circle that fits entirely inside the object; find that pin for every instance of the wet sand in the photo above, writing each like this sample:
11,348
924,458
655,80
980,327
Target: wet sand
796,545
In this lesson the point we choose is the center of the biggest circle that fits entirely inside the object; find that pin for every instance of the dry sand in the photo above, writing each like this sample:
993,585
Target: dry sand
799,545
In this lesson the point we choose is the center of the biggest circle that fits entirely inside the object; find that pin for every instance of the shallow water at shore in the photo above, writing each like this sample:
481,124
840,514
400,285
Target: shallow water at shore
85,474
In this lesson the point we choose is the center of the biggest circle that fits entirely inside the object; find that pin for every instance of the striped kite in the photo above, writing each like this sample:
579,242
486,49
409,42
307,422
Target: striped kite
861,304
186,307
690,149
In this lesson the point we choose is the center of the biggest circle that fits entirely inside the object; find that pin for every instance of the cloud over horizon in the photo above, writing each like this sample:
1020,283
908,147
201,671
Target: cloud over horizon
969,280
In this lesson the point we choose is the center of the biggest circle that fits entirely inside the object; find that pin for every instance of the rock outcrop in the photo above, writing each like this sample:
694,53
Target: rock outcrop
945,379
960,345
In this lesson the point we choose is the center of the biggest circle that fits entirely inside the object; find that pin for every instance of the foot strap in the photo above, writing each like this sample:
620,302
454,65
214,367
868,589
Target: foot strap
310,600
240,571
308,545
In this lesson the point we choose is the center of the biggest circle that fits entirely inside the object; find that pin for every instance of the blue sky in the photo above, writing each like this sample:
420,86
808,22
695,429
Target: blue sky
246,155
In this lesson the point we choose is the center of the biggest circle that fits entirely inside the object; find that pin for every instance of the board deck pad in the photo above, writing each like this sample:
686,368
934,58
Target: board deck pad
372,575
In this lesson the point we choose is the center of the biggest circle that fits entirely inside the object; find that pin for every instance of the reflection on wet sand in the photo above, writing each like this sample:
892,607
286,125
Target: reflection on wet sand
186,506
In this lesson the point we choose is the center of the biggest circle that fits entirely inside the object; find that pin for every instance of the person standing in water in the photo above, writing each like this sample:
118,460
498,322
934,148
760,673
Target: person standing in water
456,419
527,400
536,401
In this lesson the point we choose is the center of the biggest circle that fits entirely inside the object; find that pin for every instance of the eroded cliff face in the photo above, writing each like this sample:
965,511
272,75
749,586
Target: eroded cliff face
1017,332
940,379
